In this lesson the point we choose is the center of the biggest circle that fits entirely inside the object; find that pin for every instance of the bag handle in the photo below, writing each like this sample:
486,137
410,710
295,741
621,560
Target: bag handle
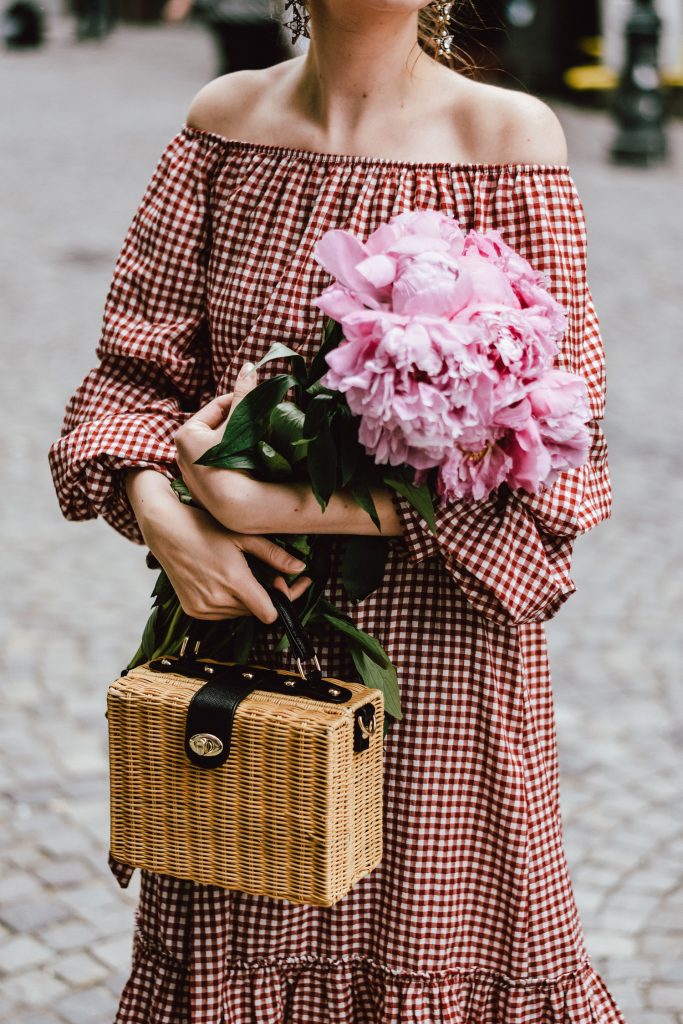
299,640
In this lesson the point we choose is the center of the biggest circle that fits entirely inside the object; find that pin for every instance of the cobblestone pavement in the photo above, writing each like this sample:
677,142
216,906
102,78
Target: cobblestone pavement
88,124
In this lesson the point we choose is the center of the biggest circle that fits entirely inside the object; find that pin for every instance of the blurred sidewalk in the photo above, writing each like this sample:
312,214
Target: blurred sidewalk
87,125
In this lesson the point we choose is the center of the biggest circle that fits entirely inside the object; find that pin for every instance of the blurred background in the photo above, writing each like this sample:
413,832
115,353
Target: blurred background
92,94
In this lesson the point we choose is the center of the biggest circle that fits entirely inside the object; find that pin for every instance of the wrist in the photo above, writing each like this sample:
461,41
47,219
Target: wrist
150,495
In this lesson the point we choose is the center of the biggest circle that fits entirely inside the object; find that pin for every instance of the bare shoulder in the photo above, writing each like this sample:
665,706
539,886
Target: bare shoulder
221,104
532,131
513,127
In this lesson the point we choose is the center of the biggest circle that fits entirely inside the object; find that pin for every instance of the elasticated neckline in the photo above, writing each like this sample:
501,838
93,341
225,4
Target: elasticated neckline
370,161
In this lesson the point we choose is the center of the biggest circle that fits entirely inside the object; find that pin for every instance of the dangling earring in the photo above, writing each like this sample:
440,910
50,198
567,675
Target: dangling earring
443,38
298,23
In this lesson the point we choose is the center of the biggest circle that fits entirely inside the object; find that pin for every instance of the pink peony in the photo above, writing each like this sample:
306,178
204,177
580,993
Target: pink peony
448,353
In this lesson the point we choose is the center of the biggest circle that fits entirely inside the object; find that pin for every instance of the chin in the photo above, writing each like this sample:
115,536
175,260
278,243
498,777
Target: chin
393,6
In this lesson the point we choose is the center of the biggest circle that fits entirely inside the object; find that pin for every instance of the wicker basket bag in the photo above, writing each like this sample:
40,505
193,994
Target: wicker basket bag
247,777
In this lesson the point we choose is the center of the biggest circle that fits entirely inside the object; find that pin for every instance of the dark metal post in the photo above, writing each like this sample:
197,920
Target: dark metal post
639,101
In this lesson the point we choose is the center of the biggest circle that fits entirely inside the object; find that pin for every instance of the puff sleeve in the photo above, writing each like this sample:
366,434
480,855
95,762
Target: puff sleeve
512,559
154,358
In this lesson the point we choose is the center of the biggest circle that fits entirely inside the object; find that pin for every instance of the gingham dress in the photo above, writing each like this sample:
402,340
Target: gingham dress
470,917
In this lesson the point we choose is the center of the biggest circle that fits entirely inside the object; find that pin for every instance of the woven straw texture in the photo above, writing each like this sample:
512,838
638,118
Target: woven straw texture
293,813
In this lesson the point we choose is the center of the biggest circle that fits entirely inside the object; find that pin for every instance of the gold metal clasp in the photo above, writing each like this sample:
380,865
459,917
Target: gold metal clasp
205,744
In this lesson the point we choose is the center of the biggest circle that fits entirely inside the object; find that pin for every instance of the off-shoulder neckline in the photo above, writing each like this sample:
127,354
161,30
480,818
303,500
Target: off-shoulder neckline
376,161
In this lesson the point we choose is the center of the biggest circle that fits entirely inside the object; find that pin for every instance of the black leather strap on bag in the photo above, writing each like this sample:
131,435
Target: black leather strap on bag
211,711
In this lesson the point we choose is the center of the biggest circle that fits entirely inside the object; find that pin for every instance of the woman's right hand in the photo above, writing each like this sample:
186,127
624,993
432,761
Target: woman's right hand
204,562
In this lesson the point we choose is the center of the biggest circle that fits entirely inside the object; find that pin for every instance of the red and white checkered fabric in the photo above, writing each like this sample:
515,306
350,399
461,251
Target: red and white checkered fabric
470,918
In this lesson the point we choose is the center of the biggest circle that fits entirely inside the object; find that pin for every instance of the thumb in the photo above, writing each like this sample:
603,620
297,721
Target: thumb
246,379
246,382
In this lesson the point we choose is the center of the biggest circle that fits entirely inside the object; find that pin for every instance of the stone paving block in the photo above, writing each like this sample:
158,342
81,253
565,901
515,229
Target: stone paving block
71,934
35,988
651,1017
662,944
88,1005
73,871
31,916
666,996
37,822
68,842
115,982
669,972
22,951
17,885
36,1017
116,953
80,970
603,943
629,995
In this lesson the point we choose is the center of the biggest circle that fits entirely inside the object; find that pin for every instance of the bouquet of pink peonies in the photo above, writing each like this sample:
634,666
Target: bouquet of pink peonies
447,356
434,377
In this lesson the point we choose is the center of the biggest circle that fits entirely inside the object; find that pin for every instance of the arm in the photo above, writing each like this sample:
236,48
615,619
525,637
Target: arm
240,502
154,361
116,453
205,562
513,561
253,506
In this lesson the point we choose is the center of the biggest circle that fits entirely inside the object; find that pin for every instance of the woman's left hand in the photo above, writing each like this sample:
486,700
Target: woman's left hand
225,493
241,503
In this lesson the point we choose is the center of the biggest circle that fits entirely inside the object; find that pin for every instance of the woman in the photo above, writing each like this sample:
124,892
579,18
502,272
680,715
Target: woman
470,917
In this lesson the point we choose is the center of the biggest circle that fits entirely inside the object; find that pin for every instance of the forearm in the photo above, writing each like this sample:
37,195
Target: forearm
293,508
150,494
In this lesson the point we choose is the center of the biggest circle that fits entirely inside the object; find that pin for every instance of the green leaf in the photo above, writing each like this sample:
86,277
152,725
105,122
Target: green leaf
368,643
275,465
148,642
419,497
363,564
287,430
318,414
244,460
163,590
360,491
180,487
297,544
350,450
279,351
247,424
318,568
384,679
332,335
321,461
283,643
301,448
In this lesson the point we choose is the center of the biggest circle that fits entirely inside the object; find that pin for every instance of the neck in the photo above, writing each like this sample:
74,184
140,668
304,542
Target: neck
359,64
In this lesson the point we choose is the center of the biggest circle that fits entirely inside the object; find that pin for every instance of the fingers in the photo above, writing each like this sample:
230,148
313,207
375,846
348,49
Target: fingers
296,589
246,382
256,598
270,552
279,583
214,413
